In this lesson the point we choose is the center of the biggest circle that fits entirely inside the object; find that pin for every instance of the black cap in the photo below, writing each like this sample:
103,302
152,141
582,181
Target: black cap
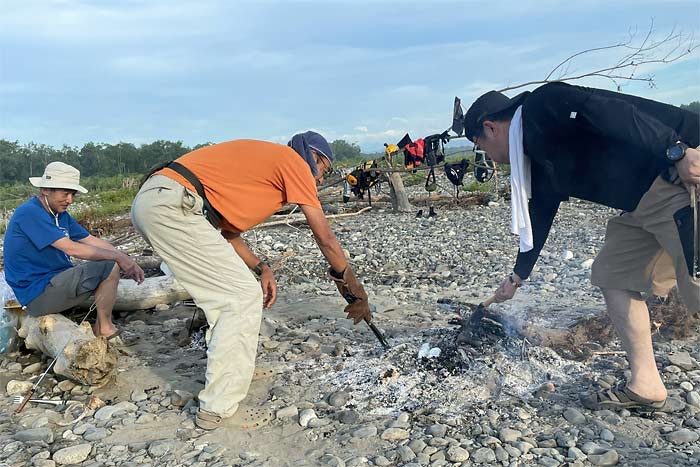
489,104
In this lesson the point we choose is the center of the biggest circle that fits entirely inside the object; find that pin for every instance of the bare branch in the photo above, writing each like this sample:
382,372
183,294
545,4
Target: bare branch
672,47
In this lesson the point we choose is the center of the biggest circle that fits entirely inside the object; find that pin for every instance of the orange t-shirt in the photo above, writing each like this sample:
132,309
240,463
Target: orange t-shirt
247,180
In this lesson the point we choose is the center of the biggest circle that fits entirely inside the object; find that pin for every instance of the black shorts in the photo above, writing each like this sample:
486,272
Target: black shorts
70,287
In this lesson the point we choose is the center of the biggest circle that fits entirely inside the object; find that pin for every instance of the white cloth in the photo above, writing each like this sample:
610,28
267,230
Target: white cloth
520,182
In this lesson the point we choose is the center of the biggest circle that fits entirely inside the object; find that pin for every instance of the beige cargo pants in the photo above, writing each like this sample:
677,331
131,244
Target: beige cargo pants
170,218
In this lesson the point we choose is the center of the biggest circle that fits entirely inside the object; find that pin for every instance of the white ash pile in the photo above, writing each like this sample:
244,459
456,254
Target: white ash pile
407,377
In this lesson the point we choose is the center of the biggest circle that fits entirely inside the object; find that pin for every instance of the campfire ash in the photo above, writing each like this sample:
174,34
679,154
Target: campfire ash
501,365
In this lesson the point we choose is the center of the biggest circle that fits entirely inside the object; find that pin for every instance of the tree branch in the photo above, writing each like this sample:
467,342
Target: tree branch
647,52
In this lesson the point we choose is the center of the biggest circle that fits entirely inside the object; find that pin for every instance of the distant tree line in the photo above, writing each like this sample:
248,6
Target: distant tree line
693,106
20,161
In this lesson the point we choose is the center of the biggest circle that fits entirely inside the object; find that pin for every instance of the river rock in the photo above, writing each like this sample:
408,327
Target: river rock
683,436
574,416
18,387
72,454
35,434
610,457
457,454
287,412
306,416
338,398
484,456
682,360
395,434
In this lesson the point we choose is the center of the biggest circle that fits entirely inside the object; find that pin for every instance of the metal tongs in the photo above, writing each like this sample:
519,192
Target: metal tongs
696,232
379,335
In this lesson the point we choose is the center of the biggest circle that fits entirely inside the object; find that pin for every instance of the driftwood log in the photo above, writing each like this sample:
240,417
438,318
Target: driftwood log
82,357
153,291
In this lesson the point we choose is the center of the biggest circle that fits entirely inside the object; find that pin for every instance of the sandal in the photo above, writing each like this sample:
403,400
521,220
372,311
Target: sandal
620,397
245,418
118,339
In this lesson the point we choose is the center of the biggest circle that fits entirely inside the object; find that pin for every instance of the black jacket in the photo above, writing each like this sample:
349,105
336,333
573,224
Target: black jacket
598,145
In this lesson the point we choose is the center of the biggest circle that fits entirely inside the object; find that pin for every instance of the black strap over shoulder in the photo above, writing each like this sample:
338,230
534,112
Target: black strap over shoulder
212,215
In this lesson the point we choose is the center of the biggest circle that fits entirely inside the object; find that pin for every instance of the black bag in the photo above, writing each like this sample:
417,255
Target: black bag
434,151
455,172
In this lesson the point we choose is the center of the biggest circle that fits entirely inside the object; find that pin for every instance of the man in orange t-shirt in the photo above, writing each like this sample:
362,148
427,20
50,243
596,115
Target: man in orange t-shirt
243,182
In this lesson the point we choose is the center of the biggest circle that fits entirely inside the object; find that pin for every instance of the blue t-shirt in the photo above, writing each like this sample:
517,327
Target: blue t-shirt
30,260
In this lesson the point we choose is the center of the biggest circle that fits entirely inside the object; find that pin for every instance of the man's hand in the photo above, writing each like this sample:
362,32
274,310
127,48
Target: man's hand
689,168
131,269
269,287
508,287
352,291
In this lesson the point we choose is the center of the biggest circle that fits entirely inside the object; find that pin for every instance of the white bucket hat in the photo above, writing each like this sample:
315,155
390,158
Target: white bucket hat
59,175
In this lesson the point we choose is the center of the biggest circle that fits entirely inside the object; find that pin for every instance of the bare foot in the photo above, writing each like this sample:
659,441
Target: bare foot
104,329
652,391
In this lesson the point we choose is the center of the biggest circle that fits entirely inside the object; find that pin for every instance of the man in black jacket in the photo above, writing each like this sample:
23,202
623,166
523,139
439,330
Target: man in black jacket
620,151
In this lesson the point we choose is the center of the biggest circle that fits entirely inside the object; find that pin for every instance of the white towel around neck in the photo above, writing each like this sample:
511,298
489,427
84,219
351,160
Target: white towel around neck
520,182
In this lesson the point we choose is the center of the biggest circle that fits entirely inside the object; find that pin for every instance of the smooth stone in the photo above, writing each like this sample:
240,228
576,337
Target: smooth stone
437,430
365,432
576,454
610,457
287,412
138,395
305,416
589,447
607,435
395,434
83,428
457,454
417,445
501,454
35,434
349,417
483,456
508,435
574,416
338,398
693,398
381,461
18,387
682,360
683,436
72,454
406,453
161,447
687,386
96,434
32,368
107,412
66,385
127,406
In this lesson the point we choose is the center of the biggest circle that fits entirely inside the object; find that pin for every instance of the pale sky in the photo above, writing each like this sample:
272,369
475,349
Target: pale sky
364,71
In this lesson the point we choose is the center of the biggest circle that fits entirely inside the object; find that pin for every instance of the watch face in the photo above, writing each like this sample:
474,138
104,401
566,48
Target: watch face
675,152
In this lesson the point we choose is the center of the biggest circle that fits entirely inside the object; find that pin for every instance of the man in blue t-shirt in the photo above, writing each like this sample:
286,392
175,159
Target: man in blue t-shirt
40,239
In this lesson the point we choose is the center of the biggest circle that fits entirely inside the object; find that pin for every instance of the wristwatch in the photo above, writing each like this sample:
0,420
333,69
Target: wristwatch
676,152
258,268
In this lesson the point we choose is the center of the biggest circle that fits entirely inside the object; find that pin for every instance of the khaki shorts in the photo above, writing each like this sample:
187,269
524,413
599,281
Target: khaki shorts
647,250
70,288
